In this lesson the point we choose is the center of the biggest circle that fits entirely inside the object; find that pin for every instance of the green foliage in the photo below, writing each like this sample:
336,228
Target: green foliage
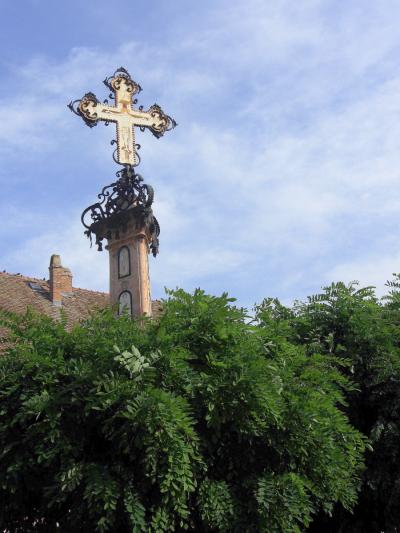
360,334
216,505
285,502
202,421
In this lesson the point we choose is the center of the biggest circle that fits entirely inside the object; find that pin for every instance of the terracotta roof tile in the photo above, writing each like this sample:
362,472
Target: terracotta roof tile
18,292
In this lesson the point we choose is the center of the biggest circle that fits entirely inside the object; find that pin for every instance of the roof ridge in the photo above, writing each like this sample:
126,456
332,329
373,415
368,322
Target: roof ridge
22,277
44,281
89,290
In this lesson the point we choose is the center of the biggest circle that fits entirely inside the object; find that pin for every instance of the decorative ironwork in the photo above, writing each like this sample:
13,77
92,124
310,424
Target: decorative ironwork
126,199
114,82
123,88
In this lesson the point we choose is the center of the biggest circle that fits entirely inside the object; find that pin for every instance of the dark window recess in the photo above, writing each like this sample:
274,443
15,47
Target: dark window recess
35,286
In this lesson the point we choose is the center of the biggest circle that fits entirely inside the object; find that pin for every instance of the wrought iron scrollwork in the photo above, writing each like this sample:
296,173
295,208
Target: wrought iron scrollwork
126,199
123,90
162,121
115,153
86,108
114,82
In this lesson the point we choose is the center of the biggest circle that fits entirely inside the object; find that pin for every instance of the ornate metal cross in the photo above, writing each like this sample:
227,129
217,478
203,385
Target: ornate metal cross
123,114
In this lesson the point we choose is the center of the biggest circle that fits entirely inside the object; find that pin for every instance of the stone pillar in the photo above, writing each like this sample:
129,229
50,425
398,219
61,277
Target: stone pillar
129,269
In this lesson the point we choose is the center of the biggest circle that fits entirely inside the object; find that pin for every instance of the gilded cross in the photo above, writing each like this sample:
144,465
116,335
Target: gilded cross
123,114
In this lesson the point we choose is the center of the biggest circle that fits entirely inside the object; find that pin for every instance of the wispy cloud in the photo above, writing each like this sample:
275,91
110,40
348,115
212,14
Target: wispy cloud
283,170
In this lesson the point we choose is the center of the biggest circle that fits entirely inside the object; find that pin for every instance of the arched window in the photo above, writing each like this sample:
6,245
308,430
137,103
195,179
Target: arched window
125,303
124,262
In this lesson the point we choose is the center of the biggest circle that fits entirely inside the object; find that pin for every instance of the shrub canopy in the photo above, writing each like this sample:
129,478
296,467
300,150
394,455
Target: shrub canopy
353,325
203,420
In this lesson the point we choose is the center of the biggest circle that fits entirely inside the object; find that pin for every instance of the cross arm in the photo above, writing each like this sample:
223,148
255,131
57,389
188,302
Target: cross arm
92,110
154,119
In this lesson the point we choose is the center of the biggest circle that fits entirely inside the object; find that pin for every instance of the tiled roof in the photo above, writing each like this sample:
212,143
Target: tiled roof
18,292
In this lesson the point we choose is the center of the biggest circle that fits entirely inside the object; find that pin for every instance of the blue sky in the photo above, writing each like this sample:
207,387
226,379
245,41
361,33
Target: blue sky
282,175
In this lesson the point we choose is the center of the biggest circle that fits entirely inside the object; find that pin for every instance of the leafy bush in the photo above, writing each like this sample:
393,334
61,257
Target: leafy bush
203,421
363,332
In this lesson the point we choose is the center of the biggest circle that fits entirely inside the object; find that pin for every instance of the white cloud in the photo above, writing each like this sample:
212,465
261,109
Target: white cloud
286,155
370,269
32,256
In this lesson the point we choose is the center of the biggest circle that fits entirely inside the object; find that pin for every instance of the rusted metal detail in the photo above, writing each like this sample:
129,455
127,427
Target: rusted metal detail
125,200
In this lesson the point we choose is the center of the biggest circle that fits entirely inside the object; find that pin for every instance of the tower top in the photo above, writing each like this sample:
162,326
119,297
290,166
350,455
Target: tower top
124,200
123,89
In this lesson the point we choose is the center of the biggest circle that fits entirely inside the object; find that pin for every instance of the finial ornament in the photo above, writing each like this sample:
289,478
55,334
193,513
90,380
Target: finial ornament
123,88
126,199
